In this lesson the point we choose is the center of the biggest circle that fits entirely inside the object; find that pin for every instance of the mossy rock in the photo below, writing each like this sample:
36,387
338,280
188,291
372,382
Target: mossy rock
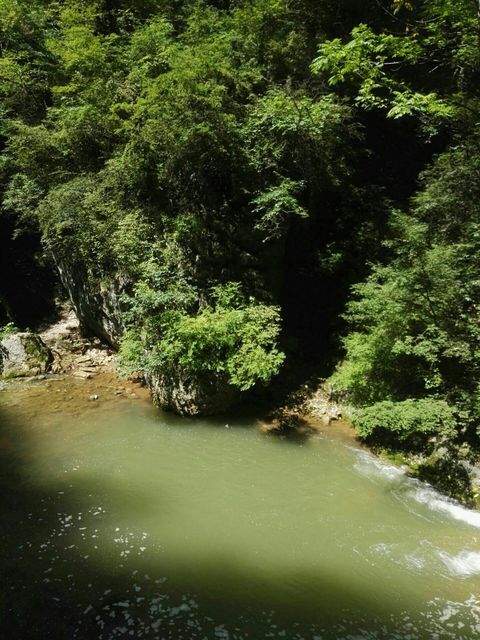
449,476
24,354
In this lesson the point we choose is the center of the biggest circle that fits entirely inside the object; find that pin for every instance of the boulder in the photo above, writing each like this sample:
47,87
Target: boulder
24,354
191,397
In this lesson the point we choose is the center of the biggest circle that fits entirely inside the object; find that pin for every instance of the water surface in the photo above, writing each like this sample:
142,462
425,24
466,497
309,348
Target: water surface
119,521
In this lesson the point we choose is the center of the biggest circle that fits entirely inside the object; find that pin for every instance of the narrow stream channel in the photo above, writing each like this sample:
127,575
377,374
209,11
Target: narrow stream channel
119,521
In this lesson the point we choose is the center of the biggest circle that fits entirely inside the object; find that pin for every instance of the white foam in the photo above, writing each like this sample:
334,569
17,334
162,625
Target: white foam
370,465
383,548
464,564
436,502
414,561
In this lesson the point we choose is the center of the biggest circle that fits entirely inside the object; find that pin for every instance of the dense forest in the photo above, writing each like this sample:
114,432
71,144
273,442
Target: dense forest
231,189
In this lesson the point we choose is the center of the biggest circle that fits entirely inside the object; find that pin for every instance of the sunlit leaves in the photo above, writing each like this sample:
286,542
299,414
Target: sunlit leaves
397,71
275,206
408,422
236,343
415,327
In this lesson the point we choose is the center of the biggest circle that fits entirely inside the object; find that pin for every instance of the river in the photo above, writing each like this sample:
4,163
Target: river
120,521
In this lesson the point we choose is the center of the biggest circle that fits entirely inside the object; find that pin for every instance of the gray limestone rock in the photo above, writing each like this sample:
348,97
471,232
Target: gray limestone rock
208,396
24,354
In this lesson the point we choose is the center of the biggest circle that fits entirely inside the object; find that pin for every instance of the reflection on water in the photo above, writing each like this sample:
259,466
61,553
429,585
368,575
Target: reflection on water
119,521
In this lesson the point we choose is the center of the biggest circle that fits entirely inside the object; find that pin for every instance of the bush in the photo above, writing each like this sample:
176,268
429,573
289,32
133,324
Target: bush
233,339
131,353
237,344
408,423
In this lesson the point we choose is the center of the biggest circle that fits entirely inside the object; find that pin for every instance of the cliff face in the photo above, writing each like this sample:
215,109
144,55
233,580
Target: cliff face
97,304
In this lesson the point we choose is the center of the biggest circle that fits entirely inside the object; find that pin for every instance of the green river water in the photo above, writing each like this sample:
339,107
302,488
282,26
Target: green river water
119,521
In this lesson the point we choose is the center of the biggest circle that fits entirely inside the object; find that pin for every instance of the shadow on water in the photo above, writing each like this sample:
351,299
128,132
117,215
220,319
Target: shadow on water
299,433
54,587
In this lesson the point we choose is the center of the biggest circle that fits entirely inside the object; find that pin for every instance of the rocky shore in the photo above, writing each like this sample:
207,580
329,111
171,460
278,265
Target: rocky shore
74,354
58,348
59,352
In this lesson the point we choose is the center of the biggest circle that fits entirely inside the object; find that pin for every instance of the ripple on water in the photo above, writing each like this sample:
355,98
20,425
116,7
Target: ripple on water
412,491
161,618
463,564
374,468
87,554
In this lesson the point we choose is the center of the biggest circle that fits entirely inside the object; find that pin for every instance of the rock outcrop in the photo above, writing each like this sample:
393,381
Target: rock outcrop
208,396
24,354
320,402
97,304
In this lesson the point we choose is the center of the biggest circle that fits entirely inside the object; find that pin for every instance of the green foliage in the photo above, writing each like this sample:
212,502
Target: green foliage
414,322
290,133
409,422
229,295
163,285
22,198
418,313
174,139
132,243
402,70
275,207
26,65
84,224
131,355
186,150
8,330
234,339
238,344
72,221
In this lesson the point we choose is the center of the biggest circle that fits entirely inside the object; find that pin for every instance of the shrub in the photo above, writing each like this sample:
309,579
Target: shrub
232,339
131,353
8,330
408,423
237,344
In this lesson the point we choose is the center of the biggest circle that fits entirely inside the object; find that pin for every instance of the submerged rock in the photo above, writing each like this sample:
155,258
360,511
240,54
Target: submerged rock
24,354
209,396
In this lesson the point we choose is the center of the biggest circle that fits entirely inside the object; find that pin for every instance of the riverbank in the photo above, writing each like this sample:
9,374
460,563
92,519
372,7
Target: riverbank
73,353
83,370
450,467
